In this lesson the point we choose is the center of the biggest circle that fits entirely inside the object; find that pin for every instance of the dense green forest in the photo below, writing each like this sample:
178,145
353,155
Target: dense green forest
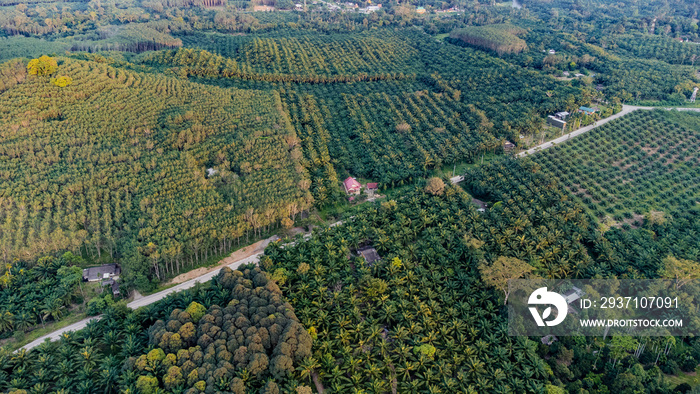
389,125
420,319
163,134
43,293
297,130
187,343
672,51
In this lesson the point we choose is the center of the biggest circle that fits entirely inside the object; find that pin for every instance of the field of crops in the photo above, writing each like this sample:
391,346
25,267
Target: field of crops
337,54
393,136
666,49
500,38
116,162
387,105
646,161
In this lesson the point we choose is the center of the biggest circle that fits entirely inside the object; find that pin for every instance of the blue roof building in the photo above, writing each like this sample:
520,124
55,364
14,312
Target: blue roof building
587,110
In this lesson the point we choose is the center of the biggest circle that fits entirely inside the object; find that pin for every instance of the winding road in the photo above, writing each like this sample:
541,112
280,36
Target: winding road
155,297
147,300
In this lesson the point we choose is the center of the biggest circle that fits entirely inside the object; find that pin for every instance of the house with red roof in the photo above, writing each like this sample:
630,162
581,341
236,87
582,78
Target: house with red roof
352,186
372,188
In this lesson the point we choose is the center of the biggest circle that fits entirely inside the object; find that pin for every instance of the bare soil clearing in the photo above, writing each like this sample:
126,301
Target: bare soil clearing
239,254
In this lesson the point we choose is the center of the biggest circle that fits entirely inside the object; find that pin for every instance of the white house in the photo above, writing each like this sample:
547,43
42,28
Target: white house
572,295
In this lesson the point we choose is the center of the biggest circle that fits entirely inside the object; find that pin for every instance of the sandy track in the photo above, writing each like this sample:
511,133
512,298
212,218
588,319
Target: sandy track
240,254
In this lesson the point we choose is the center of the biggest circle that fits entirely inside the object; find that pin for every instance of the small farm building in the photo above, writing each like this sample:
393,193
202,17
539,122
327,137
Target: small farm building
352,186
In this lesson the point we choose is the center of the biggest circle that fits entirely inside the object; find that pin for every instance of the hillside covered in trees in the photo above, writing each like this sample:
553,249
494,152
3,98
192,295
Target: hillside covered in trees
161,135
164,159
182,136
423,317
117,163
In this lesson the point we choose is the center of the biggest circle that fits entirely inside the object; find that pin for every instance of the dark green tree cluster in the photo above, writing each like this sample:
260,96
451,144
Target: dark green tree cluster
662,48
21,46
255,339
87,361
35,295
649,64
617,366
636,80
133,37
673,18
421,319
256,342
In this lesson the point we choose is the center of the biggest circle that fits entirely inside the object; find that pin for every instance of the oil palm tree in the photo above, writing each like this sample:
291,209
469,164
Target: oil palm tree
7,320
53,307
23,321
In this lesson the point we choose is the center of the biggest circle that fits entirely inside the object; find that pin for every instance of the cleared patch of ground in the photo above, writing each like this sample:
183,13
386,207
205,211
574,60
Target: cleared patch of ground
239,254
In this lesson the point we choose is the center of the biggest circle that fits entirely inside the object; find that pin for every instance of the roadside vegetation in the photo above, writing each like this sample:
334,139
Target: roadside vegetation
162,135
643,165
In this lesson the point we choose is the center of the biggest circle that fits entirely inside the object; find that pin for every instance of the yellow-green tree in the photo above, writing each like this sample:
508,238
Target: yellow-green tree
681,270
41,66
196,311
502,270
435,186
147,384
62,81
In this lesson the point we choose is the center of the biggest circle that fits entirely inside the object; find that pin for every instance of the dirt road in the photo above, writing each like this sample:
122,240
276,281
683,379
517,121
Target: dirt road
240,254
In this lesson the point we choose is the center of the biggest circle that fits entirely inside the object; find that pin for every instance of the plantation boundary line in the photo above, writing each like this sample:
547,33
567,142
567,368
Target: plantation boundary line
626,109
147,300
150,299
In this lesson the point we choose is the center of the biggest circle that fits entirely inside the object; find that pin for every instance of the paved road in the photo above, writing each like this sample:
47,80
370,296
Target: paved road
626,109
255,258
147,300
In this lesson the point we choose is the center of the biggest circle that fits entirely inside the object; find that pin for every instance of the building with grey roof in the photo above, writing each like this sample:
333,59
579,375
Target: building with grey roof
106,271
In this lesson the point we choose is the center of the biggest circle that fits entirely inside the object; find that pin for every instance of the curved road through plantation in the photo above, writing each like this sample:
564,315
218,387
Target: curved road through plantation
155,297
626,109
147,300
